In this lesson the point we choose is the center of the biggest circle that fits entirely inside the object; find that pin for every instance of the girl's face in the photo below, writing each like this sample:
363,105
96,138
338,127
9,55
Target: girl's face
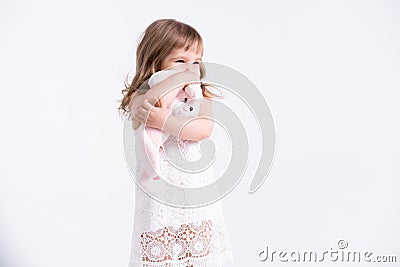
180,57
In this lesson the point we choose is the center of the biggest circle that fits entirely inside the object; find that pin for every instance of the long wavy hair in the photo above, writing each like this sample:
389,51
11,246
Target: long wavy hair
155,43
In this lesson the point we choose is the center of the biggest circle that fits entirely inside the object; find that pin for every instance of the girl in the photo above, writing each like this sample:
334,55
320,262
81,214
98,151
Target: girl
164,235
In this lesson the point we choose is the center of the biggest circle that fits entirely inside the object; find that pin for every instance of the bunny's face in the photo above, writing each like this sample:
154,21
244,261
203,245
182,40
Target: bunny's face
189,108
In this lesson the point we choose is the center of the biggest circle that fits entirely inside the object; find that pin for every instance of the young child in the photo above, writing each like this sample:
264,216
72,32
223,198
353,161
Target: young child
164,235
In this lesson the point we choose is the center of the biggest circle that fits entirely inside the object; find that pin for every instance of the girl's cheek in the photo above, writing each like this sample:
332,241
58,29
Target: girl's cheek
169,65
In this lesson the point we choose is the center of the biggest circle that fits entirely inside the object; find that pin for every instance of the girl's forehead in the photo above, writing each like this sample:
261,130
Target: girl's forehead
193,50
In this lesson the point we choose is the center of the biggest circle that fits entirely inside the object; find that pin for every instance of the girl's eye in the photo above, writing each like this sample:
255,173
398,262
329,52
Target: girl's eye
180,61
196,62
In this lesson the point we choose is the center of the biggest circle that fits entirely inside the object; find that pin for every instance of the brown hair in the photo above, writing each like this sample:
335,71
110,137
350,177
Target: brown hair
156,42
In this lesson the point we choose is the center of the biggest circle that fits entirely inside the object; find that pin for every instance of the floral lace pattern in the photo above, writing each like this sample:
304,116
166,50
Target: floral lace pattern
189,240
170,236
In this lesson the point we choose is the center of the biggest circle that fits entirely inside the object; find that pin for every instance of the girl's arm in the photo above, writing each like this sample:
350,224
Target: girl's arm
195,128
136,102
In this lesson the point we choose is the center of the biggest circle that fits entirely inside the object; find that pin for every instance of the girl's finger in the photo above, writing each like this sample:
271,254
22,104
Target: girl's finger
140,115
136,118
142,110
147,105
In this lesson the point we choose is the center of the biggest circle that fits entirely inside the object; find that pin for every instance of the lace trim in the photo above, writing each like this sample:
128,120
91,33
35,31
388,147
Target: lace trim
192,244
202,262
189,240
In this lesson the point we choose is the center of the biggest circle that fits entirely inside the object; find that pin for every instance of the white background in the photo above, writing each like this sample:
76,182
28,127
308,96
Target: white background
329,71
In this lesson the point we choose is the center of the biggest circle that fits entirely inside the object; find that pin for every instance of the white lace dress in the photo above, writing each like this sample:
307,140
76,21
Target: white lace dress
178,237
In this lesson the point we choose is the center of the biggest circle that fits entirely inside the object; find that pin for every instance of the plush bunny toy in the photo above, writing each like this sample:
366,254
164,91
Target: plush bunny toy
186,103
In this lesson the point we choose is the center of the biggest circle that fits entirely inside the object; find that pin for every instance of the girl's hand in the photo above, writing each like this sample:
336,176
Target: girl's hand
151,115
